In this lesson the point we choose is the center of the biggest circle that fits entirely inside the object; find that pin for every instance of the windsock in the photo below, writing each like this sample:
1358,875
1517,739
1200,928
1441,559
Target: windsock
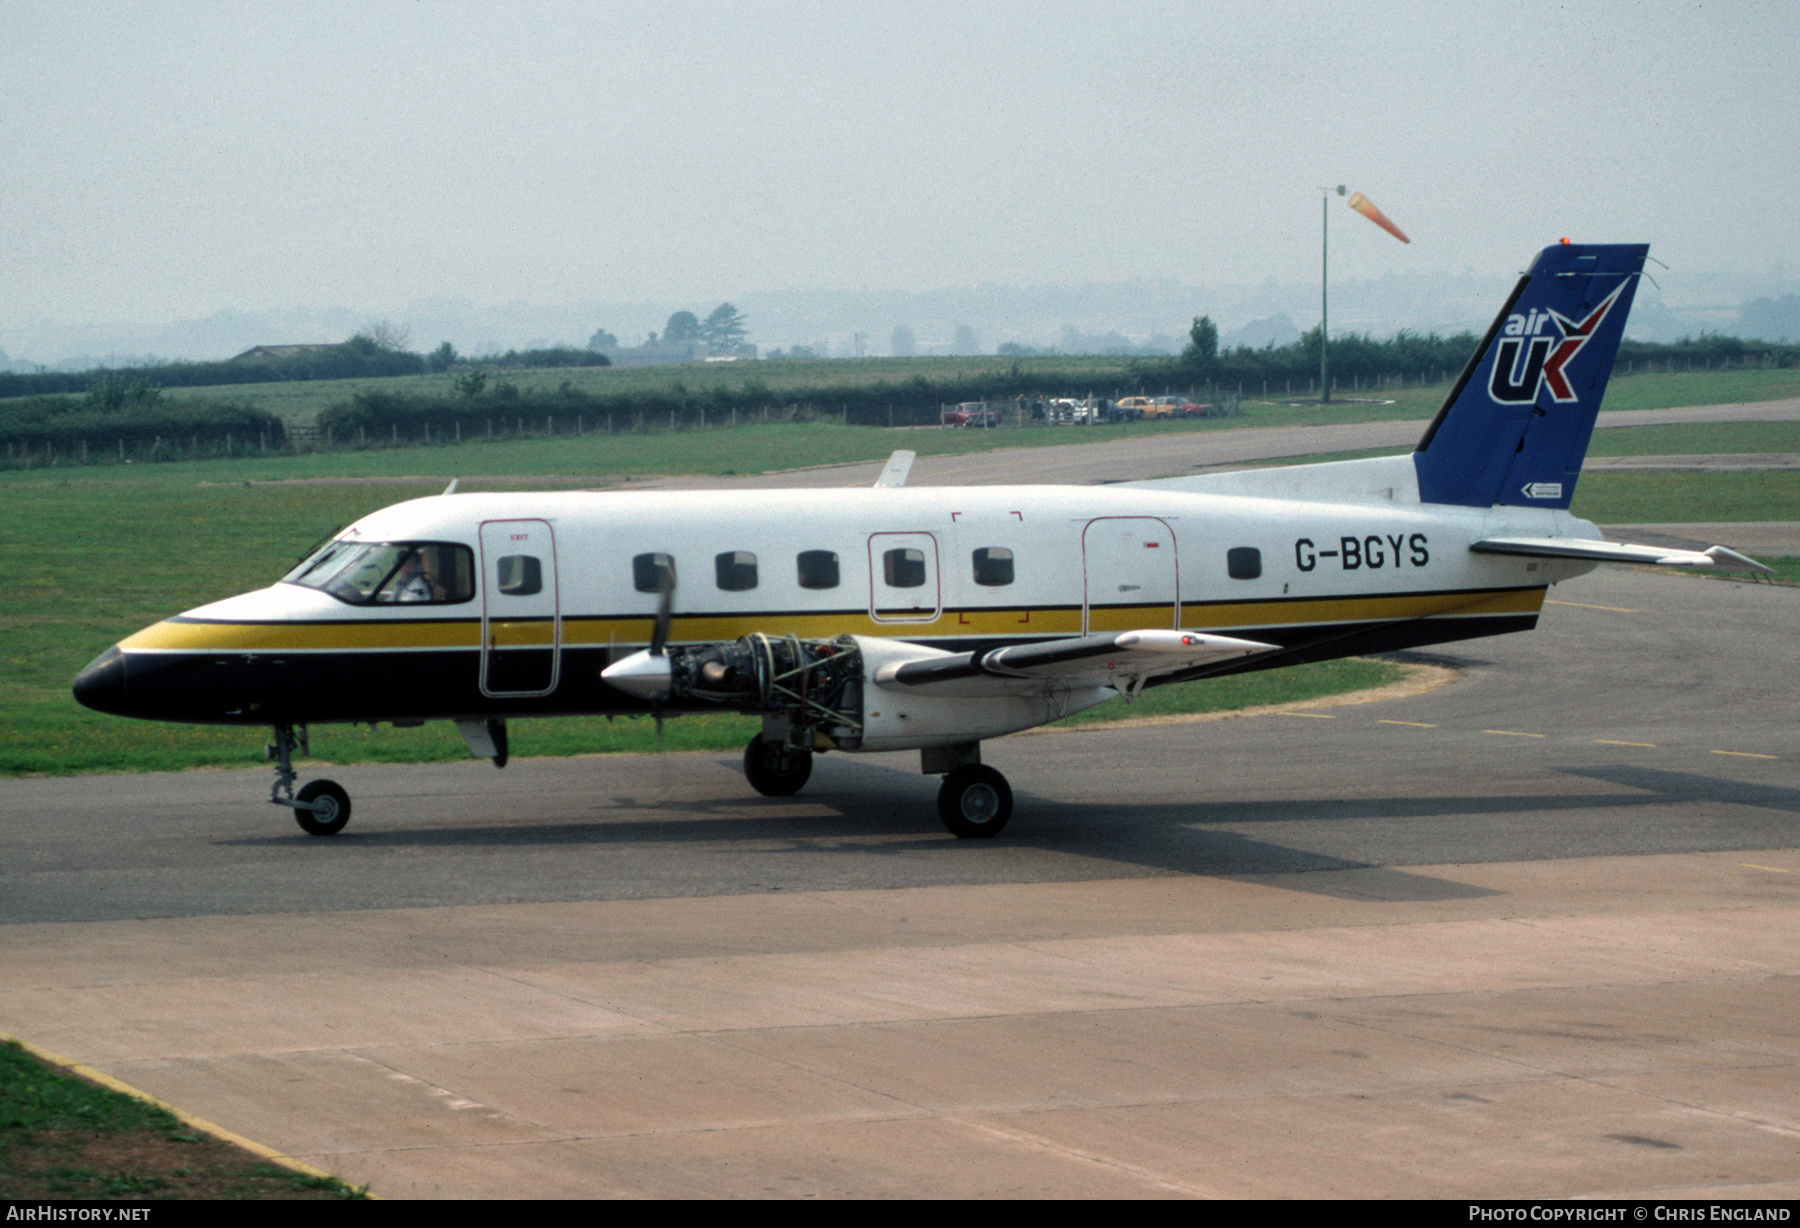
1363,205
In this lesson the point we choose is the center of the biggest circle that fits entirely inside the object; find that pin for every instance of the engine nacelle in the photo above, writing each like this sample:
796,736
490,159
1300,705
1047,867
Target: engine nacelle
806,690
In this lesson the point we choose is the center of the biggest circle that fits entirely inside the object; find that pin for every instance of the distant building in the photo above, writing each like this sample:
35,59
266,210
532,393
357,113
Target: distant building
668,353
275,353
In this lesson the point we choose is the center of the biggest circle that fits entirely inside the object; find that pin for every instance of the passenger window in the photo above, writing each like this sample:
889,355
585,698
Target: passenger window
735,570
818,569
521,575
653,573
993,566
1244,563
904,568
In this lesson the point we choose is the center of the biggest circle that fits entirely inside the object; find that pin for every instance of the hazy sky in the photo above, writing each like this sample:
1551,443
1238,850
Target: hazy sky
163,161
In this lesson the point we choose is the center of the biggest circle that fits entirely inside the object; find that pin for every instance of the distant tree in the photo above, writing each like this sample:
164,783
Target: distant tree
602,340
473,384
682,326
440,359
113,393
1202,353
724,328
386,334
902,344
965,341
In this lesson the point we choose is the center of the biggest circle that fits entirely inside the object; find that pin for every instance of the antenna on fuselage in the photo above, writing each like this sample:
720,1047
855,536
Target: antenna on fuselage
451,489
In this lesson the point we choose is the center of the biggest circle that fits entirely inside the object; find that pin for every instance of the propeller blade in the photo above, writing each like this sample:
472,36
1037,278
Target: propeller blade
659,633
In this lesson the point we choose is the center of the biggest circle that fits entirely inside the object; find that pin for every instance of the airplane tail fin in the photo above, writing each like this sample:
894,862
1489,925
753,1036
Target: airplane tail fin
1515,427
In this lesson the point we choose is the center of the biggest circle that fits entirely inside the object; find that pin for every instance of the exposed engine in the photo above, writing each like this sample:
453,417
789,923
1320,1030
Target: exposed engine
814,685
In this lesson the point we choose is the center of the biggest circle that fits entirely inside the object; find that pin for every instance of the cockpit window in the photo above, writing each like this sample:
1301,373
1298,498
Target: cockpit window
377,573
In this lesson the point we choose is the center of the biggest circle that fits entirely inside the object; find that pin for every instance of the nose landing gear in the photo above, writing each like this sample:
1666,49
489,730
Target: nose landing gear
321,807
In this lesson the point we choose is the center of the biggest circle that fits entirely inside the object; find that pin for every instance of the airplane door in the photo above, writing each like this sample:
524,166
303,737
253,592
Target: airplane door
903,578
1131,575
521,625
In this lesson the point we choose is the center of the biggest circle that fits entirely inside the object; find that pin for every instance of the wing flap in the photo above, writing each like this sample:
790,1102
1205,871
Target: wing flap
1597,551
1123,659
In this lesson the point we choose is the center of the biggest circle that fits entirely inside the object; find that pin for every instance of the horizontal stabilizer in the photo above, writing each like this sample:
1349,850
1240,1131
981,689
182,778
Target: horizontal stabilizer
1123,659
1597,551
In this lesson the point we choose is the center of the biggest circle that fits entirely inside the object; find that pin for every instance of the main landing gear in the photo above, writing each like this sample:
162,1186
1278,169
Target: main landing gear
321,807
775,769
974,801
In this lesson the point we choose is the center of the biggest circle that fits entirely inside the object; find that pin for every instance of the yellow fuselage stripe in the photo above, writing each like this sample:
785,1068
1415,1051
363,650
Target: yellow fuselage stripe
177,636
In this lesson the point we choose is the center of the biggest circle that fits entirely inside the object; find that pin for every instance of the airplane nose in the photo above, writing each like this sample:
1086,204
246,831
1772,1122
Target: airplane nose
101,686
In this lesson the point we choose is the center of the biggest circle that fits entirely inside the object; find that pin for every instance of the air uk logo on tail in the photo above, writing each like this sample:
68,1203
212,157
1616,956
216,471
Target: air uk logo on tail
1515,380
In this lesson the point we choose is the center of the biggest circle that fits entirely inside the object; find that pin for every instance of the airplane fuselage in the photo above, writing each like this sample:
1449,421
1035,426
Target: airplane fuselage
554,589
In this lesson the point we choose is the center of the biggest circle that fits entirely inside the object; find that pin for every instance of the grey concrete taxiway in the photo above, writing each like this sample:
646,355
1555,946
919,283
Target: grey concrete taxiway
1530,934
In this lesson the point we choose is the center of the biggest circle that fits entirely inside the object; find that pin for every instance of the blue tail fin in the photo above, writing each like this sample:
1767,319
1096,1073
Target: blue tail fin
1515,428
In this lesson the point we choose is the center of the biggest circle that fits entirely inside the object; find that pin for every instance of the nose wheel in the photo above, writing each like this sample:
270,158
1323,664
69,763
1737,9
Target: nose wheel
974,802
321,807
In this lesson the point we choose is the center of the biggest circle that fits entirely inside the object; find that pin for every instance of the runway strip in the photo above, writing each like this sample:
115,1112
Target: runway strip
1171,455
1077,462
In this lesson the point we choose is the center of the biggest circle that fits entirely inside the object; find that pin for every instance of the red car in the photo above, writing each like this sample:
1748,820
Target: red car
971,413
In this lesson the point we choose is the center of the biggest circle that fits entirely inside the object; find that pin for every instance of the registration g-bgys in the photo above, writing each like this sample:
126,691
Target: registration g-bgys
1374,551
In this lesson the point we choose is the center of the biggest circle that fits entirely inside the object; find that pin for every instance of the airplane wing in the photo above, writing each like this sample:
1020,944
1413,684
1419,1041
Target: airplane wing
893,474
1596,551
1122,659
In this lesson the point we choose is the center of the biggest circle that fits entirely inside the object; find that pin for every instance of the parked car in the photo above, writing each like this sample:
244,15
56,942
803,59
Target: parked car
971,413
1173,407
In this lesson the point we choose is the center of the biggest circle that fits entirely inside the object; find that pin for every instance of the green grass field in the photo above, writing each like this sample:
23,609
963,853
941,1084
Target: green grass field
62,1137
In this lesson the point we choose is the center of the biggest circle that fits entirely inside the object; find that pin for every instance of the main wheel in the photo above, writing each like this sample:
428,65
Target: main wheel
974,802
775,771
333,808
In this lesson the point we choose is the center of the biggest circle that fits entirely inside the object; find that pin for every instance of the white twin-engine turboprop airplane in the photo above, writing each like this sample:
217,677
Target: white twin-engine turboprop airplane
930,619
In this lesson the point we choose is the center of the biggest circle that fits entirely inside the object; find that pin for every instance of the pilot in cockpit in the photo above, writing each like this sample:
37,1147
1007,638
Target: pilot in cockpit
413,582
